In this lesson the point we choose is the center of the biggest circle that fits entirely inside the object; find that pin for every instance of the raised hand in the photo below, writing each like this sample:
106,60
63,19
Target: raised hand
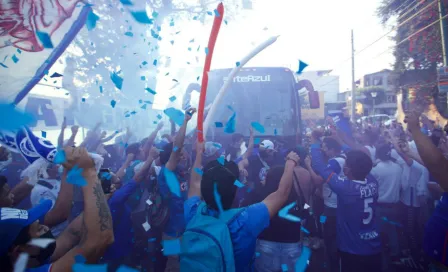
78,156
189,114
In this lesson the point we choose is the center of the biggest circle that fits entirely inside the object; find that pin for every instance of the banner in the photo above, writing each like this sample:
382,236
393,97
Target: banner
312,114
34,35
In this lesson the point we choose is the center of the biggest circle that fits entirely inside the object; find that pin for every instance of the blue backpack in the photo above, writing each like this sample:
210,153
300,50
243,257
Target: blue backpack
206,243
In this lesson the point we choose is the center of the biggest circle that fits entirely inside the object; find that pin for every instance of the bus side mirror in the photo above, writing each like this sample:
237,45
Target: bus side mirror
312,94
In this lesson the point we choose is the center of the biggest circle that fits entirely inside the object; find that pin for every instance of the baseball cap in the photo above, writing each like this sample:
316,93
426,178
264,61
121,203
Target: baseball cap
12,221
267,145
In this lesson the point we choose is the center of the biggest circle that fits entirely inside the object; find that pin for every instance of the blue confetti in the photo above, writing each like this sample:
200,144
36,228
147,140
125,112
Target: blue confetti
79,267
83,99
44,39
257,140
219,124
172,23
302,66
55,75
225,22
141,17
176,115
92,18
144,62
171,247
124,268
143,78
197,79
323,219
152,240
220,160
304,230
217,198
150,90
154,62
155,14
257,254
113,103
19,51
80,259
231,124
74,176
129,34
284,267
44,134
143,107
175,148
16,118
117,80
206,50
4,66
275,131
217,13
238,63
14,58
126,2
172,98
106,175
171,180
302,262
209,13
283,213
258,127
391,222
59,157
101,89
238,184
159,116
199,171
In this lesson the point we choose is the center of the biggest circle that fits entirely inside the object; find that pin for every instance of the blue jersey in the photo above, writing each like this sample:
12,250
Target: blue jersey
356,226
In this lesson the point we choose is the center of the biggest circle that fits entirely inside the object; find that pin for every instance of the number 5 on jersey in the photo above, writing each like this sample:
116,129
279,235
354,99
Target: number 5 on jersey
368,209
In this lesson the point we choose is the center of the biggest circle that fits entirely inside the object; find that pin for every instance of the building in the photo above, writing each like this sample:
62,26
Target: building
386,80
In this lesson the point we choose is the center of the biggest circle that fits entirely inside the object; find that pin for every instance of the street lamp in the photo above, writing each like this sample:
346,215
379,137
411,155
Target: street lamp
373,94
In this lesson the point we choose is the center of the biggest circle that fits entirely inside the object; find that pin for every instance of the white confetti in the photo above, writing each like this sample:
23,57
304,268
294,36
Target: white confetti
146,226
306,206
149,202
21,262
41,242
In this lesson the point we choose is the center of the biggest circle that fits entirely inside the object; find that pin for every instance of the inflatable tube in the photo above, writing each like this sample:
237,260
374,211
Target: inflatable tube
232,74
208,60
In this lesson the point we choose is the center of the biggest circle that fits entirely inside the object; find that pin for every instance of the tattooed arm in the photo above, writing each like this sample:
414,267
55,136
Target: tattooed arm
97,233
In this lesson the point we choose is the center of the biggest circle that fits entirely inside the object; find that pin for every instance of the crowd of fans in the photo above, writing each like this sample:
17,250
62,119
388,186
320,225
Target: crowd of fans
369,199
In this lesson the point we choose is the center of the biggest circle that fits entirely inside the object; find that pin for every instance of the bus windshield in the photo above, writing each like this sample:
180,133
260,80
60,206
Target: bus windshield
262,95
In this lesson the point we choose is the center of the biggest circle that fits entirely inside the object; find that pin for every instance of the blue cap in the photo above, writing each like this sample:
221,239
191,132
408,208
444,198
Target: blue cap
12,221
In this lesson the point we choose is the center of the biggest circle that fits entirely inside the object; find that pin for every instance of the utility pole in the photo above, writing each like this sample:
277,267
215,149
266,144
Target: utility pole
353,81
443,32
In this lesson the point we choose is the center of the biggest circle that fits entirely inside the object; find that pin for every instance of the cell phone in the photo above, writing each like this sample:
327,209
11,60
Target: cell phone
105,178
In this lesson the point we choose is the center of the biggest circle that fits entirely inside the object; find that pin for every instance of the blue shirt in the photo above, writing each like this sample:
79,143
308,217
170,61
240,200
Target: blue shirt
121,219
244,230
176,223
356,227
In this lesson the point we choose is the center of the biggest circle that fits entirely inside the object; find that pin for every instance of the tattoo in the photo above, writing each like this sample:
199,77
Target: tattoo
103,208
76,233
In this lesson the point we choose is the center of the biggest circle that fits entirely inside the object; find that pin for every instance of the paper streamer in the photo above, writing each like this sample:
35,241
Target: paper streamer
208,60
226,85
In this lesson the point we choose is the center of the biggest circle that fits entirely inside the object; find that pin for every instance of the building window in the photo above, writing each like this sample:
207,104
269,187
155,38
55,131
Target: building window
377,81
391,99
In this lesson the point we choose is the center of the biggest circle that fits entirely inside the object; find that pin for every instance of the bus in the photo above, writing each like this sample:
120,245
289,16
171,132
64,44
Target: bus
267,95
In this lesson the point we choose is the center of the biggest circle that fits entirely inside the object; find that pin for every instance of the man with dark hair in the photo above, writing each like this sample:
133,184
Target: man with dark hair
357,237
88,235
246,225
6,197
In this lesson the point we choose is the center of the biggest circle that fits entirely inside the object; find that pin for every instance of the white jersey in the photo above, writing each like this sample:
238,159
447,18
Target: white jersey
330,197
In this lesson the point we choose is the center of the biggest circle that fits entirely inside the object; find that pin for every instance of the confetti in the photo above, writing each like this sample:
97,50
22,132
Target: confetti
306,206
124,268
74,176
302,262
283,213
141,17
117,80
83,99
59,158
257,254
220,160
21,262
126,2
172,23
275,131
55,75
258,127
175,148
101,89
199,171
231,124
129,34
113,103
80,259
217,198
217,13
19,51
14,58
257,140
80,267
238,184
206,50
44,39
143,78
143,107
171,180
44,134
41,242
284,267
171,247
146,226
172,98
302,66
219,124
209,13
150,90
92,18
304,230
176,115
323,219
149,202
16,118
155,14
238,63
154,62
4,66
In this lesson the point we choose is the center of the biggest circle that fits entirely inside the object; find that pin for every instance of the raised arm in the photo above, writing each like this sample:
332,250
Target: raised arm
121,172
275,201
195,179
61,134
97,233
71,140
63,205
143,172
110,137
179,141
250,146
315,178
21,191
150,141
432,157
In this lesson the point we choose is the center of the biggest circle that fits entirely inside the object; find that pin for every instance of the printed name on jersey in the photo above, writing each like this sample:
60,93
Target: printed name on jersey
369,235
9,213
368,190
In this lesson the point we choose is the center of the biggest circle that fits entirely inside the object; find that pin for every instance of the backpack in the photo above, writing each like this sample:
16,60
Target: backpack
158,211
206,243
